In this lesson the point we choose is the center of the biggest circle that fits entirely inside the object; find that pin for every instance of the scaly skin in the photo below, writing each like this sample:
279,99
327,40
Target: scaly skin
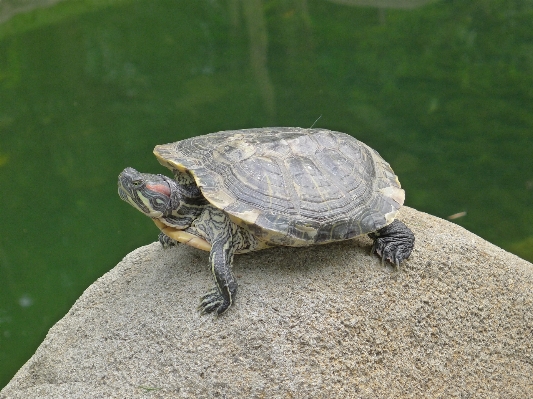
393,242
180,207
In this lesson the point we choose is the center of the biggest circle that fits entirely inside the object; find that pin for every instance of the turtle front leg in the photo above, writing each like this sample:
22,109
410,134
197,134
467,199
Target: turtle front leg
393,242
166,241
222,296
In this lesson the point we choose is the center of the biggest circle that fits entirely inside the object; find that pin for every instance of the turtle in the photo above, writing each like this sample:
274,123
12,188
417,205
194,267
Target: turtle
238,191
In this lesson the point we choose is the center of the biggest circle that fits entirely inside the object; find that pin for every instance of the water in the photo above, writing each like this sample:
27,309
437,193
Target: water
444,92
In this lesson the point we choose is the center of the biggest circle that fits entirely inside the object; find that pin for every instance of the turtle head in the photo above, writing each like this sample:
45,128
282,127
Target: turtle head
151,194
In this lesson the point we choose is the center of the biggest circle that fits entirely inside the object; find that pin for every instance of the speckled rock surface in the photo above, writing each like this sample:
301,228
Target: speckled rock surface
455,321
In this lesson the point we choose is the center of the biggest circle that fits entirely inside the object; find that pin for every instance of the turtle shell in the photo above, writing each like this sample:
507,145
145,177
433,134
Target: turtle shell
291,186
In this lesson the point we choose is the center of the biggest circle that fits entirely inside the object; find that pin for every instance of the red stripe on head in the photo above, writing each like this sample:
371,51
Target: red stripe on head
159,188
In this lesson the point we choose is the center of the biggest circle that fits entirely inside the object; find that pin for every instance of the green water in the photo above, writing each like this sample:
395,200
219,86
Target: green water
444,92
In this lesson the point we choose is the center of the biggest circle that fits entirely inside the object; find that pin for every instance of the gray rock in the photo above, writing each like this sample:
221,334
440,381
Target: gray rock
456,320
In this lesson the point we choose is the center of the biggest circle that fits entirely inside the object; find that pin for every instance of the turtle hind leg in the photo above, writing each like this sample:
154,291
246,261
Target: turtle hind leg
393,242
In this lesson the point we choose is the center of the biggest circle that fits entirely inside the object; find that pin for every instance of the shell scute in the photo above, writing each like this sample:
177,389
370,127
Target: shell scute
233,151
327,139
302,146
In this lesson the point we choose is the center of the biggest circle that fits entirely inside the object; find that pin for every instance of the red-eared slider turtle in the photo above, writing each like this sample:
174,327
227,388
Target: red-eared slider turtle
243,190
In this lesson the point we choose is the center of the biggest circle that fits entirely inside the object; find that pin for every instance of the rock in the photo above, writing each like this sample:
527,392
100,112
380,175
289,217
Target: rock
456,320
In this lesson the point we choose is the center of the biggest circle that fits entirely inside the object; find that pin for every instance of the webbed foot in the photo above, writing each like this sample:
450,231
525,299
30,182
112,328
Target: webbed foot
213,301
166,241
393,242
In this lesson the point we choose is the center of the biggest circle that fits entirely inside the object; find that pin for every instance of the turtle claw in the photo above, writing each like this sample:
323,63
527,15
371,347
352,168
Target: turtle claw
390,253
213,301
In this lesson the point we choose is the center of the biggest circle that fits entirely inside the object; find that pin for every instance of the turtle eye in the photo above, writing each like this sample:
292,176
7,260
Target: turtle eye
136,183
